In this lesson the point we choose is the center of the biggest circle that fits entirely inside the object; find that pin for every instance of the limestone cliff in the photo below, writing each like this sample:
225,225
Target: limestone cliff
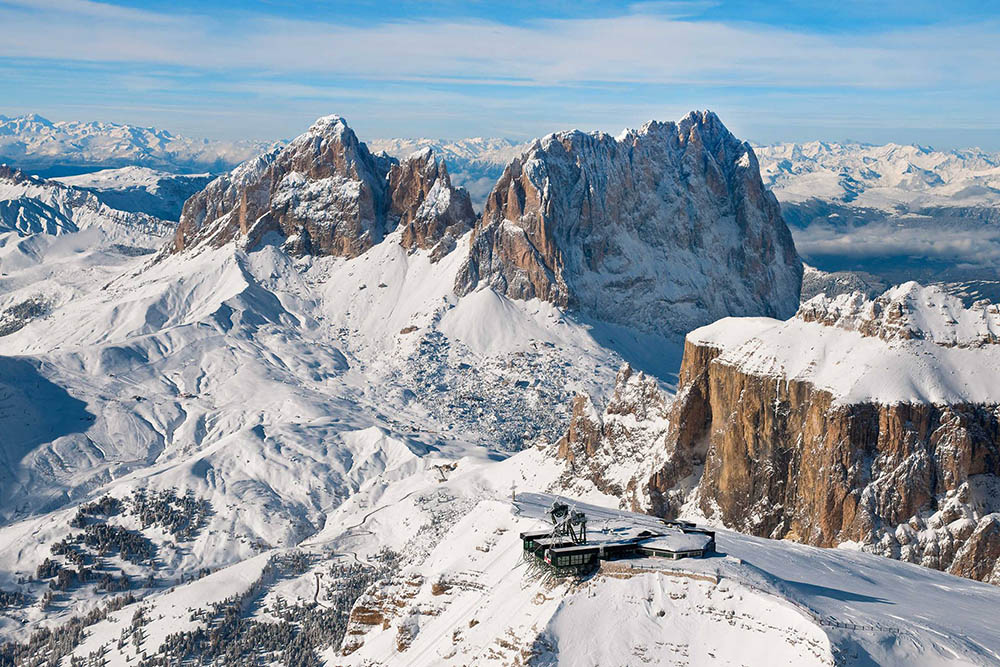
663,229
794,455
326,194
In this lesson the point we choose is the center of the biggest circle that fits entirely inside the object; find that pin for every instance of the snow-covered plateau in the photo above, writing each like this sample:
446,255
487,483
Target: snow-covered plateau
235,451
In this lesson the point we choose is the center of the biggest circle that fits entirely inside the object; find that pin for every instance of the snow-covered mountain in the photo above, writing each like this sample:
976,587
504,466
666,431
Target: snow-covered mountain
899,212
287,438
40,146
140,189
892,178
326,194
662,229
31,205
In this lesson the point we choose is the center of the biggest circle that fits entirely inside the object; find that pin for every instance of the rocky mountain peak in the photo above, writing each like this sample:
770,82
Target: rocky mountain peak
16,176
327,194
620,228
431,212
909,312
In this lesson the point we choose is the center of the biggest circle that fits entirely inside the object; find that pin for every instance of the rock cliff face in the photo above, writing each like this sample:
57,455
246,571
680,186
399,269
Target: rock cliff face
791,455
613,449
664,228
326,194
430,211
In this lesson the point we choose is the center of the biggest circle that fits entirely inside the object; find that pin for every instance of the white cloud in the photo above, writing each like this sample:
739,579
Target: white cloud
969,243
644,47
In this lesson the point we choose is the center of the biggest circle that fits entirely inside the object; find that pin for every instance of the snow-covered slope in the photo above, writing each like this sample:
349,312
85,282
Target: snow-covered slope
30,205
270,388
460,594
38,145
140,189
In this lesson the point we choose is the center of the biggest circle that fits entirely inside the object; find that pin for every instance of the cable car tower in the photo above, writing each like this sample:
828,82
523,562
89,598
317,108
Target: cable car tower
568,523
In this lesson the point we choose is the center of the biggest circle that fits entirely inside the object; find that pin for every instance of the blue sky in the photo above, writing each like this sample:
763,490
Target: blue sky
916,71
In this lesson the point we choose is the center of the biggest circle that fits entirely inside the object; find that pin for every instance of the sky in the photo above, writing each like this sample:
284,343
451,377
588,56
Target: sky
909,71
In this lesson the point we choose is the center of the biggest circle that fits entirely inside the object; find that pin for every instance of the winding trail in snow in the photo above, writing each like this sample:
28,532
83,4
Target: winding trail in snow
352,527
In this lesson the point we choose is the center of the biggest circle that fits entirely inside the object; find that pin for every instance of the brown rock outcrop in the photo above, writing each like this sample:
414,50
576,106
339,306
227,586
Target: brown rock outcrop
430,211
759,439
783,459
326,194
606,449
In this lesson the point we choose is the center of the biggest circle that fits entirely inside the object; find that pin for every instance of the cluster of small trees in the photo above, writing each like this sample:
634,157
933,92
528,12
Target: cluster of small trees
181,516
49,646
14,318
131,545
13,599
228,637
106,506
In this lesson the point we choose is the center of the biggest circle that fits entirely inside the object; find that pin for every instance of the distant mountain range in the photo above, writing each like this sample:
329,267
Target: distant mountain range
45,148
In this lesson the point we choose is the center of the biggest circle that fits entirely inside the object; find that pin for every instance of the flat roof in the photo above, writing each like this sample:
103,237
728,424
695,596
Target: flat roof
677,543
530,534
554,541
574,548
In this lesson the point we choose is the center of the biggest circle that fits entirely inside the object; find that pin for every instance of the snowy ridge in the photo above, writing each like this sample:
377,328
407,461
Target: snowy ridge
912,344
140,189
30,205
909,311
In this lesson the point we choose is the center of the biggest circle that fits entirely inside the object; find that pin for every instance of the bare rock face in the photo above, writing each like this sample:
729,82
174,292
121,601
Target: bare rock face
664,228
790,455
326,194
430,211
607,449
